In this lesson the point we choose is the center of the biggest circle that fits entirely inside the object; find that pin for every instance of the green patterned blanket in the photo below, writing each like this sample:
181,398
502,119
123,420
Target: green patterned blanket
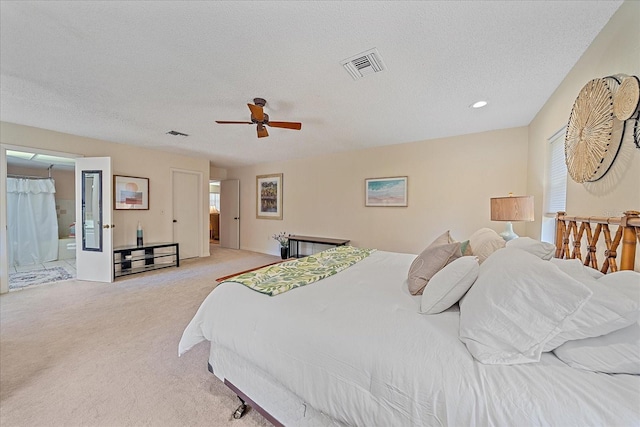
276,279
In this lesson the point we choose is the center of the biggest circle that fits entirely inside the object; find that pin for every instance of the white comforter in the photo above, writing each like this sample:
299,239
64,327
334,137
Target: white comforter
355,347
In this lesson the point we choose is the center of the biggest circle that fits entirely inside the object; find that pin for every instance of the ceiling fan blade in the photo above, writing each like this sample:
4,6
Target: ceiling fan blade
257,112
286,125
262,131
223,122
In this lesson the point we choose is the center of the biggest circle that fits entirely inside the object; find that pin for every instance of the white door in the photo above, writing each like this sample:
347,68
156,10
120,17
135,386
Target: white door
187,212
94,245
230,214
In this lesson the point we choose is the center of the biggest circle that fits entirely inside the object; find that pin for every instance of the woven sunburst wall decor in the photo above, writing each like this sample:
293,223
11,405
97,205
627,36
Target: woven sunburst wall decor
589,130
597,124
626,104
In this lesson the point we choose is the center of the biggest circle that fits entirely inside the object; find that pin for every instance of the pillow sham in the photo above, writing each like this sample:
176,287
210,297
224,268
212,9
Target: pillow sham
540,249
614,353
448,285
608,309
484,242
515,306
428,263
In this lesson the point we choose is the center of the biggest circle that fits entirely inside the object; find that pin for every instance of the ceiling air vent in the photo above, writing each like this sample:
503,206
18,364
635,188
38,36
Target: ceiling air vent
364,64
176,133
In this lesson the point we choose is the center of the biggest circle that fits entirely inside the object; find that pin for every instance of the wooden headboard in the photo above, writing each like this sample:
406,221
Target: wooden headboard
572,231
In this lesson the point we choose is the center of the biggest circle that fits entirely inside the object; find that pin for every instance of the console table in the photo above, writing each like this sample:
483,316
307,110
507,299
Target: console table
309,239
132,259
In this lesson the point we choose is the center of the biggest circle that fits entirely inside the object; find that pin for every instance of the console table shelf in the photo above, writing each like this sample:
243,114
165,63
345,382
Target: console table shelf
309,239
139,259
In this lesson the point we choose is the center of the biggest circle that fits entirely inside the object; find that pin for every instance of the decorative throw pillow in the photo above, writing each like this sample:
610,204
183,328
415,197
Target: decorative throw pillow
540,249
443,239
465,248
517,304
448,285
438,254
608,310
484,242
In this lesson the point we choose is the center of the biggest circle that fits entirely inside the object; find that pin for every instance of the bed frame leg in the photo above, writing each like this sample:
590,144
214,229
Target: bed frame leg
240,410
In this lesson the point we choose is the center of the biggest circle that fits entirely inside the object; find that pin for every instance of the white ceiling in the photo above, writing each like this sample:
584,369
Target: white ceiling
131,71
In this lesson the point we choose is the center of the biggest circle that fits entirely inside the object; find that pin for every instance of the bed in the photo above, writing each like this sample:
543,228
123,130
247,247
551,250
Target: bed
357,348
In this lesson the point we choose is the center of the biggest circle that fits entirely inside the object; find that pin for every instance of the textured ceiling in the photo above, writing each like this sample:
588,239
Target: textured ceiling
131,71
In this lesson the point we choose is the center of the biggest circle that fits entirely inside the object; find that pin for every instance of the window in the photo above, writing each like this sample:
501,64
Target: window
555,189
214,201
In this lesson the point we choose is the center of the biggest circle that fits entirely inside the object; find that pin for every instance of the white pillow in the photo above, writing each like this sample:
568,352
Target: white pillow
448,285
614,353
625,281
608,309
540,249
516,305
484,242
617,352
596,274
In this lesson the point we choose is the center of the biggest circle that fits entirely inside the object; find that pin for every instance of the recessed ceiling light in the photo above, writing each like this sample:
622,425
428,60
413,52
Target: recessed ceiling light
479,104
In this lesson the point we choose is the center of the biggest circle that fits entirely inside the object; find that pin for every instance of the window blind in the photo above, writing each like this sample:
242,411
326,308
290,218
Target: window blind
556,189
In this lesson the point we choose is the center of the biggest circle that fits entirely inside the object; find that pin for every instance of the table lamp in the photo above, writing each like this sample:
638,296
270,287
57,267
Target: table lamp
512,208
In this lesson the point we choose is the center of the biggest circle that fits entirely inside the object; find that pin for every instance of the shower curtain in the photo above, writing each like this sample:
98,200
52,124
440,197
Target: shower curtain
32,235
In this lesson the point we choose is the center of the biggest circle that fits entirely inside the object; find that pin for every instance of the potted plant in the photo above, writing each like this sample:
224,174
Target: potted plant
283,239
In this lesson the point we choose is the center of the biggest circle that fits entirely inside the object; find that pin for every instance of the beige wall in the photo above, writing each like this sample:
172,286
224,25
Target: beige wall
615,50
217,174
125,160
450,179
450,183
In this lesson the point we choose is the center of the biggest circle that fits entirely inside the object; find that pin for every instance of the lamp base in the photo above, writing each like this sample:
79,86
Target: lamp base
508,233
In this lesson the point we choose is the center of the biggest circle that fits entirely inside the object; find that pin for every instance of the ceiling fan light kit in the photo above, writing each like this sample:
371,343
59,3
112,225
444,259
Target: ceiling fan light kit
261,119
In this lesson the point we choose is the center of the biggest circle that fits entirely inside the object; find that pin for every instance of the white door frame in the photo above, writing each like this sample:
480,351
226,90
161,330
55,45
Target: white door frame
204,249
4,256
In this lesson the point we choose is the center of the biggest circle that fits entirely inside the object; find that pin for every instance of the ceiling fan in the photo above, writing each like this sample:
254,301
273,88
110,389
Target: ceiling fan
260,118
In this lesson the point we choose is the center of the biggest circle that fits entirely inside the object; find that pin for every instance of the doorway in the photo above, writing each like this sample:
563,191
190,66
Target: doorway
39,195
214,212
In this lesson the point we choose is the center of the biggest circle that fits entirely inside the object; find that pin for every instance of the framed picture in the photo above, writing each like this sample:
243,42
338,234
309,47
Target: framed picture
269,196
386,191
130,192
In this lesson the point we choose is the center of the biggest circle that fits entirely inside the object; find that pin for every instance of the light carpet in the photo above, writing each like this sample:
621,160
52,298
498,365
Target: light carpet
38,277
79,353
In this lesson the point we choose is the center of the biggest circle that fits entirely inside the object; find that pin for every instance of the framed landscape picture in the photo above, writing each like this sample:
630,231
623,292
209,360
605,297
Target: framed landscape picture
386,191
130,192
269,196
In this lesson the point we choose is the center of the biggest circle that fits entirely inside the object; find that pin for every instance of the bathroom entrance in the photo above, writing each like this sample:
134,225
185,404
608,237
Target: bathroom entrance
40,201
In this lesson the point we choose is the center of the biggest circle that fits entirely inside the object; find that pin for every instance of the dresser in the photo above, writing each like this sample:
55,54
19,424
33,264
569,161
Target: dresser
214,226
